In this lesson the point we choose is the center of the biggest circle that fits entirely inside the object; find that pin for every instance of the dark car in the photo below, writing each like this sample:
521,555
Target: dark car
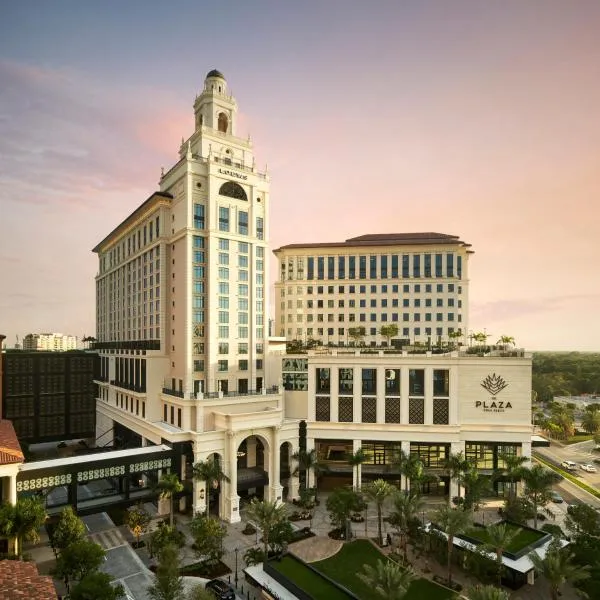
221,590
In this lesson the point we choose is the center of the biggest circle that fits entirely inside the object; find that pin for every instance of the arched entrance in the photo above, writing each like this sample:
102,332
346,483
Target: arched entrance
253,469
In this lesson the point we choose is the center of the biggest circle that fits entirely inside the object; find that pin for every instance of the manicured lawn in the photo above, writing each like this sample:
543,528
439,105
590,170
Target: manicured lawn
307,580
344,566
523,538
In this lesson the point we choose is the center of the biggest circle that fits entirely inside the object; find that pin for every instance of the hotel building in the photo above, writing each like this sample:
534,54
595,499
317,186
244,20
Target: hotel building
55,342
185,357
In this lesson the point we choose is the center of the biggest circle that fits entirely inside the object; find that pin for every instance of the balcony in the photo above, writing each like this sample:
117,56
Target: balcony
265,391
138,389
171,392
126,345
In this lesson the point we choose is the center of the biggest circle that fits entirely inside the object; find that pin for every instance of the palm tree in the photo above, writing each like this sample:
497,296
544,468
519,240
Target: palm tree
210,471
406,511
307,461
414,470
476,485
167,487
557,568
487,592
266,515
378,491
387,579
22,521
499,538
355,460
452,521
538,482
591,421
506,340
513,470
399,462
456,465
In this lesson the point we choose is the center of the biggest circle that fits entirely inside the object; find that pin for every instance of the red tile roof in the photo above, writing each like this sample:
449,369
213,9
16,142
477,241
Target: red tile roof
20,581
10,449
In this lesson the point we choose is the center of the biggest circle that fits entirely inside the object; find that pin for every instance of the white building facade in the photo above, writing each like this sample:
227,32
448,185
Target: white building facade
417,282
181,311
53,342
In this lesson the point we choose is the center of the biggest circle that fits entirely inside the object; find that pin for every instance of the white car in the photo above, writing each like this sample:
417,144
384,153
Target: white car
588,468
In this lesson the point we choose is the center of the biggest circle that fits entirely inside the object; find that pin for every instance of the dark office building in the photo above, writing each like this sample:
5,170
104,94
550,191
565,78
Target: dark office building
50,396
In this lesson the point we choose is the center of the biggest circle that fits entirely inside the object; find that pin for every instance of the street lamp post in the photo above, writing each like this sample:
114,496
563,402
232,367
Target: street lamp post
236,566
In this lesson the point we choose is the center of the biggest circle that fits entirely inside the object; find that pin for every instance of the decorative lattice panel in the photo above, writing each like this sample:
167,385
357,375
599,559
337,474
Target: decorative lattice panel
323,411
416,411
392,410
369,410
440,411
345,410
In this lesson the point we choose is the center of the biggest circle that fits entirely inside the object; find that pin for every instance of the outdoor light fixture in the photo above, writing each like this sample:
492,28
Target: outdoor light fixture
202,494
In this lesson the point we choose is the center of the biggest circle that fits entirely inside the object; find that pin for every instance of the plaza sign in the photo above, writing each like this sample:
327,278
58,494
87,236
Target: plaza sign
493,384
233,174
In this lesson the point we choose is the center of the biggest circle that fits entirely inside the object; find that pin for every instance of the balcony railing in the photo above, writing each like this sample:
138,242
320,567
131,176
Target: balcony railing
172,392
126,345
270,390
128,386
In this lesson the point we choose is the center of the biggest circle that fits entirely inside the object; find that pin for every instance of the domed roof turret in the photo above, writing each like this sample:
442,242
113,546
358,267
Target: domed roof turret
215,73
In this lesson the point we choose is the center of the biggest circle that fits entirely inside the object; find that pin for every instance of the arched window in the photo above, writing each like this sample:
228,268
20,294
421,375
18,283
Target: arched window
233,190
223,122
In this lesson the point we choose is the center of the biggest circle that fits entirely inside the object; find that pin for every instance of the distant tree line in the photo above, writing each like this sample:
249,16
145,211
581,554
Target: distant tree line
565,374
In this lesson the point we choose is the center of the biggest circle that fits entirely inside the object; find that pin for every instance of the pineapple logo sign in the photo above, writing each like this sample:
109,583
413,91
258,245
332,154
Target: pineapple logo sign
493,384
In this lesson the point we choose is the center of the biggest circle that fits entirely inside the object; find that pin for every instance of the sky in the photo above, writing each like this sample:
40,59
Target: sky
477,119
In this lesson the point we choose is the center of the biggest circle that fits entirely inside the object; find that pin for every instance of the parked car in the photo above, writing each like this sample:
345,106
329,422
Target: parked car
589,468
221,589
556,497
569,465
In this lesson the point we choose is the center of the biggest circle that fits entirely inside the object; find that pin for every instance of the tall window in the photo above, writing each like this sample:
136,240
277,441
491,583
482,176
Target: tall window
320,267
260,233
416,265
405,266
331,267
223,218
438,265
352,267
458,267
427,265
383,271
450,265
341,267
323,381
243,222
369,381
310,268
198,216
362,267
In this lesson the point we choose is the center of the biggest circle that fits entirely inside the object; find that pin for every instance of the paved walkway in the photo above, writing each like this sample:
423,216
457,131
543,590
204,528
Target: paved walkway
316,548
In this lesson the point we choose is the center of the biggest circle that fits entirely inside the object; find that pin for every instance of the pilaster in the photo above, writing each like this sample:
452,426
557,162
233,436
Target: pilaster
232,507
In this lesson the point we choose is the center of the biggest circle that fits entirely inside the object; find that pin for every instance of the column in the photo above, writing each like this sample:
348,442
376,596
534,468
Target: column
334,394
428,396
357,401
233,502
380,395
294,481
356,473
12,489
404,396
405,447
455,488
275,471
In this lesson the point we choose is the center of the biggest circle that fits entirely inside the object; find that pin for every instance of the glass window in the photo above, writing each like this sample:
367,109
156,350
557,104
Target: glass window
223,218
449,265
373,267
352,267
222,365
243,247
383,270
346,381
198,216
441,382
198,241
323,381
438,265
243,364
223,273
310,270
320,267
392,382
223,244
341,267
223,258
242,222
427,265
223,331
416,265
331,267
223,348
260,233
405,266
362,267
369,381
416,382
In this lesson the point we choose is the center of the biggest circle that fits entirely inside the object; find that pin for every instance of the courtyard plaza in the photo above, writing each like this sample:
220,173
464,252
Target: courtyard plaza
131,567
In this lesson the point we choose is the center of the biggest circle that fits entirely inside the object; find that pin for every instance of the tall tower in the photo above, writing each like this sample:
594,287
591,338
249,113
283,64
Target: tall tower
217,326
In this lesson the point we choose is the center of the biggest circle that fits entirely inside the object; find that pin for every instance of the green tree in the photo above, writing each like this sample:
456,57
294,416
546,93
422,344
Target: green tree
357,334
22,521
487,592
456,465
355,460
591,421
499,537
506,340
168,486
168,583
341,503
266,515
137,518
379,491
69,528
399,461
254,556
455,335
405,517
453,522
210,472
78,560
280,535
389,331
476,486
387,579
309,461
164,536
538,484
209,535
557,567
414,471
512,471
97,586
